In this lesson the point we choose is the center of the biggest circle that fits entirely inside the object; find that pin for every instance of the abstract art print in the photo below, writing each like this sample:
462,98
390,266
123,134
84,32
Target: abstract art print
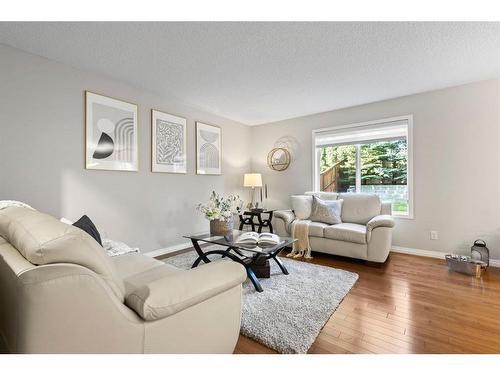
168,142
111,133
208,149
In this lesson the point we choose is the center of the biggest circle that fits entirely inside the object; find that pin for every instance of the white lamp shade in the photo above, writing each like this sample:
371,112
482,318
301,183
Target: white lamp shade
252,180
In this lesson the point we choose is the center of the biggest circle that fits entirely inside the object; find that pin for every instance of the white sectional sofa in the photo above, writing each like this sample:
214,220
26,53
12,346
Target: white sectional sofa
365,232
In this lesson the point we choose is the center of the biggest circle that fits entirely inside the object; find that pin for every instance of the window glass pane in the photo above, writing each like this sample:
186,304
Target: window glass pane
384,172
338,169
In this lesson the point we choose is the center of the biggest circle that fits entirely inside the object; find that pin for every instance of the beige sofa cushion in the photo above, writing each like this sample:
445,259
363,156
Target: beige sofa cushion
137,270
359,208
317,229
348,232
130,264
179,290
42,239
302,205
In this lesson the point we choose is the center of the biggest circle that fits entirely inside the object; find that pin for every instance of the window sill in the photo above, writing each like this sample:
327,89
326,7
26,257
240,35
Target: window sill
404,217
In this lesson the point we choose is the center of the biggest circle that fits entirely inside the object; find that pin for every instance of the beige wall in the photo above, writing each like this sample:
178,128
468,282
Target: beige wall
456,163
42,155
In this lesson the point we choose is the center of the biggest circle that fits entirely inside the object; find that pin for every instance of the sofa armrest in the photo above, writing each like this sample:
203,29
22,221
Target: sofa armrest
176,292
287,216
385,221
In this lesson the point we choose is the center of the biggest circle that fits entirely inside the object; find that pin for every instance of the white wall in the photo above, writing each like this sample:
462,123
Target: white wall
42,155
456,163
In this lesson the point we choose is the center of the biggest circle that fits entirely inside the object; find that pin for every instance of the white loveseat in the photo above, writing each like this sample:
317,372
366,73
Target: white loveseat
61,293
365,232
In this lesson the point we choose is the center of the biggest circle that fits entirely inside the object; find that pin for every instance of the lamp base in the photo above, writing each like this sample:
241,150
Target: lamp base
252,206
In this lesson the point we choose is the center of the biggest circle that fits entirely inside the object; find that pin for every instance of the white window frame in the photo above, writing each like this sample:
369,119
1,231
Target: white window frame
316,156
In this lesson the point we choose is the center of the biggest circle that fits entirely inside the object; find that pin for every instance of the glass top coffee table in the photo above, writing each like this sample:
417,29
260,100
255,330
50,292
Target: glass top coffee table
247,256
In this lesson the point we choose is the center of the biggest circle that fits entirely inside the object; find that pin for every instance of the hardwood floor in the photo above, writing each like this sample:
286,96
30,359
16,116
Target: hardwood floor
410,305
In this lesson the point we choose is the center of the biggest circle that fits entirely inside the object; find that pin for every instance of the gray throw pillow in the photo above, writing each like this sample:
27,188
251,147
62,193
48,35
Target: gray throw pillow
327,212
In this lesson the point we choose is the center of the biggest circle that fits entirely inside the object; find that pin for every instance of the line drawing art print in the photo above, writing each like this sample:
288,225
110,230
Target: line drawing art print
168,143
208,149
111,133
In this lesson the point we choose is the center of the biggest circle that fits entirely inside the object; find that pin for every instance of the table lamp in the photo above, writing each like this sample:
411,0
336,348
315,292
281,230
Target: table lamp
252,180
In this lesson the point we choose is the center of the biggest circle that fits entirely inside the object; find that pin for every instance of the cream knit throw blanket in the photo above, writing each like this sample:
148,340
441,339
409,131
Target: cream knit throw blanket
300,232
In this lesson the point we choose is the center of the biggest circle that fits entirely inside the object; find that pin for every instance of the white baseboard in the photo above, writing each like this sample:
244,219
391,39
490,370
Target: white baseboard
432,254
495,262
418,252
168,250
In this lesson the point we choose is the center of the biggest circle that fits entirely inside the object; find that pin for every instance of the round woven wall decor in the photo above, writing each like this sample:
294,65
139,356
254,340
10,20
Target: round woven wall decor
278,159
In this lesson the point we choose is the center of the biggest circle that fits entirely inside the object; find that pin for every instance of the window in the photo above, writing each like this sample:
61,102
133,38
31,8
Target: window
372,157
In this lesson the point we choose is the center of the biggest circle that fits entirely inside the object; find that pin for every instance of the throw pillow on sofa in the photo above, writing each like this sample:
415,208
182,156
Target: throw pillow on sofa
85,224
326,211
301,205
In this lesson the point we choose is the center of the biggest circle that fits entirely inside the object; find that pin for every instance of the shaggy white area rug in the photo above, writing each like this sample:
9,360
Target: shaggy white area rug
289,314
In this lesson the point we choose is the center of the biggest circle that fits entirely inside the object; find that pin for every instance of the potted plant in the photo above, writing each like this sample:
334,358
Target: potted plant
220,211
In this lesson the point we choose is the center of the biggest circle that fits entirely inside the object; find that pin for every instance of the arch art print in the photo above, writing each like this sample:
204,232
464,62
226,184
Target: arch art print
208,149
111,133
168,136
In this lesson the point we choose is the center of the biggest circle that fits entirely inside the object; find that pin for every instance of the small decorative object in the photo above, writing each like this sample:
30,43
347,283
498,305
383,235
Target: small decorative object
208,149
168,143
278,159
290,143
111,133
466,265
479,251
252,180
265,201
220,210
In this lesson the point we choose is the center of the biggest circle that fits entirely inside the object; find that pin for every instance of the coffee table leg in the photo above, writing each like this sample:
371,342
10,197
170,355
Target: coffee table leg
254,280
201,254
280,264
269,220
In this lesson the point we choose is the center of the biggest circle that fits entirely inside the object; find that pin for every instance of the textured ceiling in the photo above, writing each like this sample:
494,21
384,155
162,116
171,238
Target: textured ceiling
256,73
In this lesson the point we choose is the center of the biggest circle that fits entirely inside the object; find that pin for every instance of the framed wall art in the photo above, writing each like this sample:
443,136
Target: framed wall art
208,149
111,133
168,143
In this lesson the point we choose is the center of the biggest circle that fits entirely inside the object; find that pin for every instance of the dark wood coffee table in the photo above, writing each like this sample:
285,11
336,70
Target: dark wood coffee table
243,255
